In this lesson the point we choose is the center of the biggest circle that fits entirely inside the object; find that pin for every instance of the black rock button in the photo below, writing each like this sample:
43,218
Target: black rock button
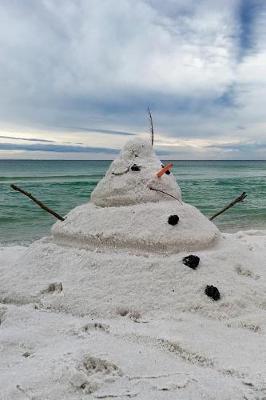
135,167
173,219
212,292
191,261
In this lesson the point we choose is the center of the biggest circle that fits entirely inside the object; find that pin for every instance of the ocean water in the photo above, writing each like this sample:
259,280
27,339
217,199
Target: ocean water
62,185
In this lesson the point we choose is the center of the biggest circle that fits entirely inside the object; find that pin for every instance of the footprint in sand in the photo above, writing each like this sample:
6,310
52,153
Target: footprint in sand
96,326
94,373
55,287
246,272
94,365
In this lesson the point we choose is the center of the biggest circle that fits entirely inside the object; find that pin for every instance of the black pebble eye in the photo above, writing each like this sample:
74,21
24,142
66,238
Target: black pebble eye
173,219
135,168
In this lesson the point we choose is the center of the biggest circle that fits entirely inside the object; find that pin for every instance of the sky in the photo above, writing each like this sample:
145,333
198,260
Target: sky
77,76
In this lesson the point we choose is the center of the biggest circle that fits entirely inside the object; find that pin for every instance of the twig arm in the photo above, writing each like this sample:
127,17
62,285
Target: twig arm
151,123
237,200
168,194
40,204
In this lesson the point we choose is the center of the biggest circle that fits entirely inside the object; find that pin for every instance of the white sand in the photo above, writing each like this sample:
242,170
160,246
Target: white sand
105,307
173,343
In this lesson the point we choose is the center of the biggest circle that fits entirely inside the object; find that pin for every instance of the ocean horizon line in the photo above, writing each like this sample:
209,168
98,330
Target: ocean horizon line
112,159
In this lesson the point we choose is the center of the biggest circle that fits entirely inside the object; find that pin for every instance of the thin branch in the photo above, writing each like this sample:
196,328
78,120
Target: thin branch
151,126
237,200
120,173
168,194
40,204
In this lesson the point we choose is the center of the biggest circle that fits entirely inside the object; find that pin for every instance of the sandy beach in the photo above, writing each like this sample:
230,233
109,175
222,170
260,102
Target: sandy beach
106,308
154,334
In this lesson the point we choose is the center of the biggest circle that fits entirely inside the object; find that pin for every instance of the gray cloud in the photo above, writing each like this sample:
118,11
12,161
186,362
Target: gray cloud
66,66
57,148
240,147
105,131
26,139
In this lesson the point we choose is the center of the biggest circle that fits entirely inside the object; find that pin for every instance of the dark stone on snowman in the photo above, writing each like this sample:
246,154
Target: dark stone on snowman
135,167
213,292
173,219
191,261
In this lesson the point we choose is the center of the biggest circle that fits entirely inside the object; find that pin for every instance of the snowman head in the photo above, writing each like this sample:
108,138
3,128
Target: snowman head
130,176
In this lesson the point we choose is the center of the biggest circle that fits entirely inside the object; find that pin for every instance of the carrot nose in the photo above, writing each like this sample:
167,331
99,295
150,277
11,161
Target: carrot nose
164,169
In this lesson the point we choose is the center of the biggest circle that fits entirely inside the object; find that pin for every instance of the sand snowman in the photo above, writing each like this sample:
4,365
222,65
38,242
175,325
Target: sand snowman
108,307
137,206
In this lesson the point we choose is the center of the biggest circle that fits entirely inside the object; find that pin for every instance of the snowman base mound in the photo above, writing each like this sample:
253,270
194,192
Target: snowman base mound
142,228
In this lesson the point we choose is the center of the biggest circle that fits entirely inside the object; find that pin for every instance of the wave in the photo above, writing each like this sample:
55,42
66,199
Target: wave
58,178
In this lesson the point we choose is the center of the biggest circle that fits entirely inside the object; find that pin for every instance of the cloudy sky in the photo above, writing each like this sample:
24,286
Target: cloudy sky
77,76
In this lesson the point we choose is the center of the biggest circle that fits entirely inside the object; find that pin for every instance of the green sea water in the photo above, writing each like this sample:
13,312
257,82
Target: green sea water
62,185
